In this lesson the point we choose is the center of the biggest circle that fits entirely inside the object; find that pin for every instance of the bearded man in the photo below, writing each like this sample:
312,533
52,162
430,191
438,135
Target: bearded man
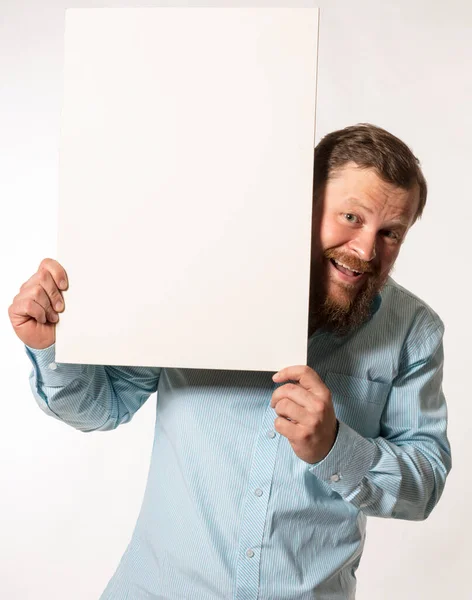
260,485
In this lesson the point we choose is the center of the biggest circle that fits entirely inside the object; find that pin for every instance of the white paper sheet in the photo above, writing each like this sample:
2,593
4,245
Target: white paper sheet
186,173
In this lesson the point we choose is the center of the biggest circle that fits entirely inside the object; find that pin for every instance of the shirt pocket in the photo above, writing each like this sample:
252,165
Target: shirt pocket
358,402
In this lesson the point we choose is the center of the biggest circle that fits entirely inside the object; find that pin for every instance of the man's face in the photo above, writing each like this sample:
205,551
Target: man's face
360,221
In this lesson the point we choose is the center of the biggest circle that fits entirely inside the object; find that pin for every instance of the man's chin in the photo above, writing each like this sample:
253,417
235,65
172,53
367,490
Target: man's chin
341,296
343,308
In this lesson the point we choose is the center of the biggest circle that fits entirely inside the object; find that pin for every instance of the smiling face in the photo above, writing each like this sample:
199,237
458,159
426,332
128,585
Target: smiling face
359,224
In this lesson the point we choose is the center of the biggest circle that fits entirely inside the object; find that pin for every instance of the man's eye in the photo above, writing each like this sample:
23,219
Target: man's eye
346,215
391,234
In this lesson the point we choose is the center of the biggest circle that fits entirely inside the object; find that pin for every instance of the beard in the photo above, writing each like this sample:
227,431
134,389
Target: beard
342,316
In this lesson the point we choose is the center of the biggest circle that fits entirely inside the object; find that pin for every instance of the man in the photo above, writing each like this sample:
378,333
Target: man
260,485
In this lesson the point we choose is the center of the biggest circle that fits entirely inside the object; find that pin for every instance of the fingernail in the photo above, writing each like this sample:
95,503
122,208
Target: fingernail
63,284
275,376
54,317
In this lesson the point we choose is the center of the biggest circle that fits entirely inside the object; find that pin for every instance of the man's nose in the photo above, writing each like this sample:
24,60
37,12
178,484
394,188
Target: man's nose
364,245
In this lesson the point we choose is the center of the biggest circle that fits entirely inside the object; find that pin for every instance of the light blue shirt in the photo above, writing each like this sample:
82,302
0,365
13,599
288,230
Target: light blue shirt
230,512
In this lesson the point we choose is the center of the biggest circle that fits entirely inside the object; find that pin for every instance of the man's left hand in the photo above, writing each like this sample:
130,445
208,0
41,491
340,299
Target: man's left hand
312,428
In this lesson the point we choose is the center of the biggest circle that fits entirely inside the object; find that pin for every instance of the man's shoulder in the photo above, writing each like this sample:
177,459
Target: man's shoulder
402,304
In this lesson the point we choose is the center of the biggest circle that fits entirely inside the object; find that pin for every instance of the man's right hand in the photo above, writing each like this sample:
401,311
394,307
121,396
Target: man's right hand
34,311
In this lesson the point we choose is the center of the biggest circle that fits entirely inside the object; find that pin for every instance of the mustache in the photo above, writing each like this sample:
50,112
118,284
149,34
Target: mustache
352,262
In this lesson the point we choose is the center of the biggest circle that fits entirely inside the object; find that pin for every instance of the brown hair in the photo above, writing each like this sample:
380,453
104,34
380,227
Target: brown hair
369,147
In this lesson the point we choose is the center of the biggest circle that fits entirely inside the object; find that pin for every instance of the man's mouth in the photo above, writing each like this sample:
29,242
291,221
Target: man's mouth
345,269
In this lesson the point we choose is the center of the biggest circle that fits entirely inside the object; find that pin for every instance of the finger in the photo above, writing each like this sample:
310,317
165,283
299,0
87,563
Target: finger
286,428
57,271
28,307
44,278
307,378
29,282
294,392
38,294
290,410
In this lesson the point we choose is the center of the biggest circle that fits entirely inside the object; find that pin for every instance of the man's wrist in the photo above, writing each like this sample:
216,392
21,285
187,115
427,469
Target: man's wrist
348,461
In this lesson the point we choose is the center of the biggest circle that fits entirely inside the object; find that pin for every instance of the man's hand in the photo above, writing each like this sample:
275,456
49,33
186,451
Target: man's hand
34,311
312,428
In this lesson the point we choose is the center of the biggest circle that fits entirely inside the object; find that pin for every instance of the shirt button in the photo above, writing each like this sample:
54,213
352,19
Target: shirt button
271,434
336,477
249,553
258,492
53,366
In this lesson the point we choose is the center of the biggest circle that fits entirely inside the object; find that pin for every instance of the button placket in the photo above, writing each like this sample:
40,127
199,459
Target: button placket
255,510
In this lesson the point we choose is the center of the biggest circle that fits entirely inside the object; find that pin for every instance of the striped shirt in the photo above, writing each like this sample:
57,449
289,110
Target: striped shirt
230,512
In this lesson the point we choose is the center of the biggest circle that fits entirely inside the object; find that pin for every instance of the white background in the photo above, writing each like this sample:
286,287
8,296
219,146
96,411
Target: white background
69,500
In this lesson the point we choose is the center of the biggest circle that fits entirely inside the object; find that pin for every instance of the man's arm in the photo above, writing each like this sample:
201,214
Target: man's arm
401,473
89,397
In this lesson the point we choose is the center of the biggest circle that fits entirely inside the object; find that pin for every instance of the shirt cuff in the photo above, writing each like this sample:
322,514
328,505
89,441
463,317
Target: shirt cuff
47,371
348,461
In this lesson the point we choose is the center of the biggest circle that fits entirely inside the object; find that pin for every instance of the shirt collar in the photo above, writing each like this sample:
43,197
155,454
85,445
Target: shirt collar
376,302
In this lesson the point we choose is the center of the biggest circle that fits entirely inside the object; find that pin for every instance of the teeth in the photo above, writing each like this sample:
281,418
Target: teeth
345,266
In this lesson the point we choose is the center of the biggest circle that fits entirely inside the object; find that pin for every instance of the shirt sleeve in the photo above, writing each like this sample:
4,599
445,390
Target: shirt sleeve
89,397
401,473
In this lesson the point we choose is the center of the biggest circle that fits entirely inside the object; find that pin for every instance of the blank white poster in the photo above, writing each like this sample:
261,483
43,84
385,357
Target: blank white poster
185,186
